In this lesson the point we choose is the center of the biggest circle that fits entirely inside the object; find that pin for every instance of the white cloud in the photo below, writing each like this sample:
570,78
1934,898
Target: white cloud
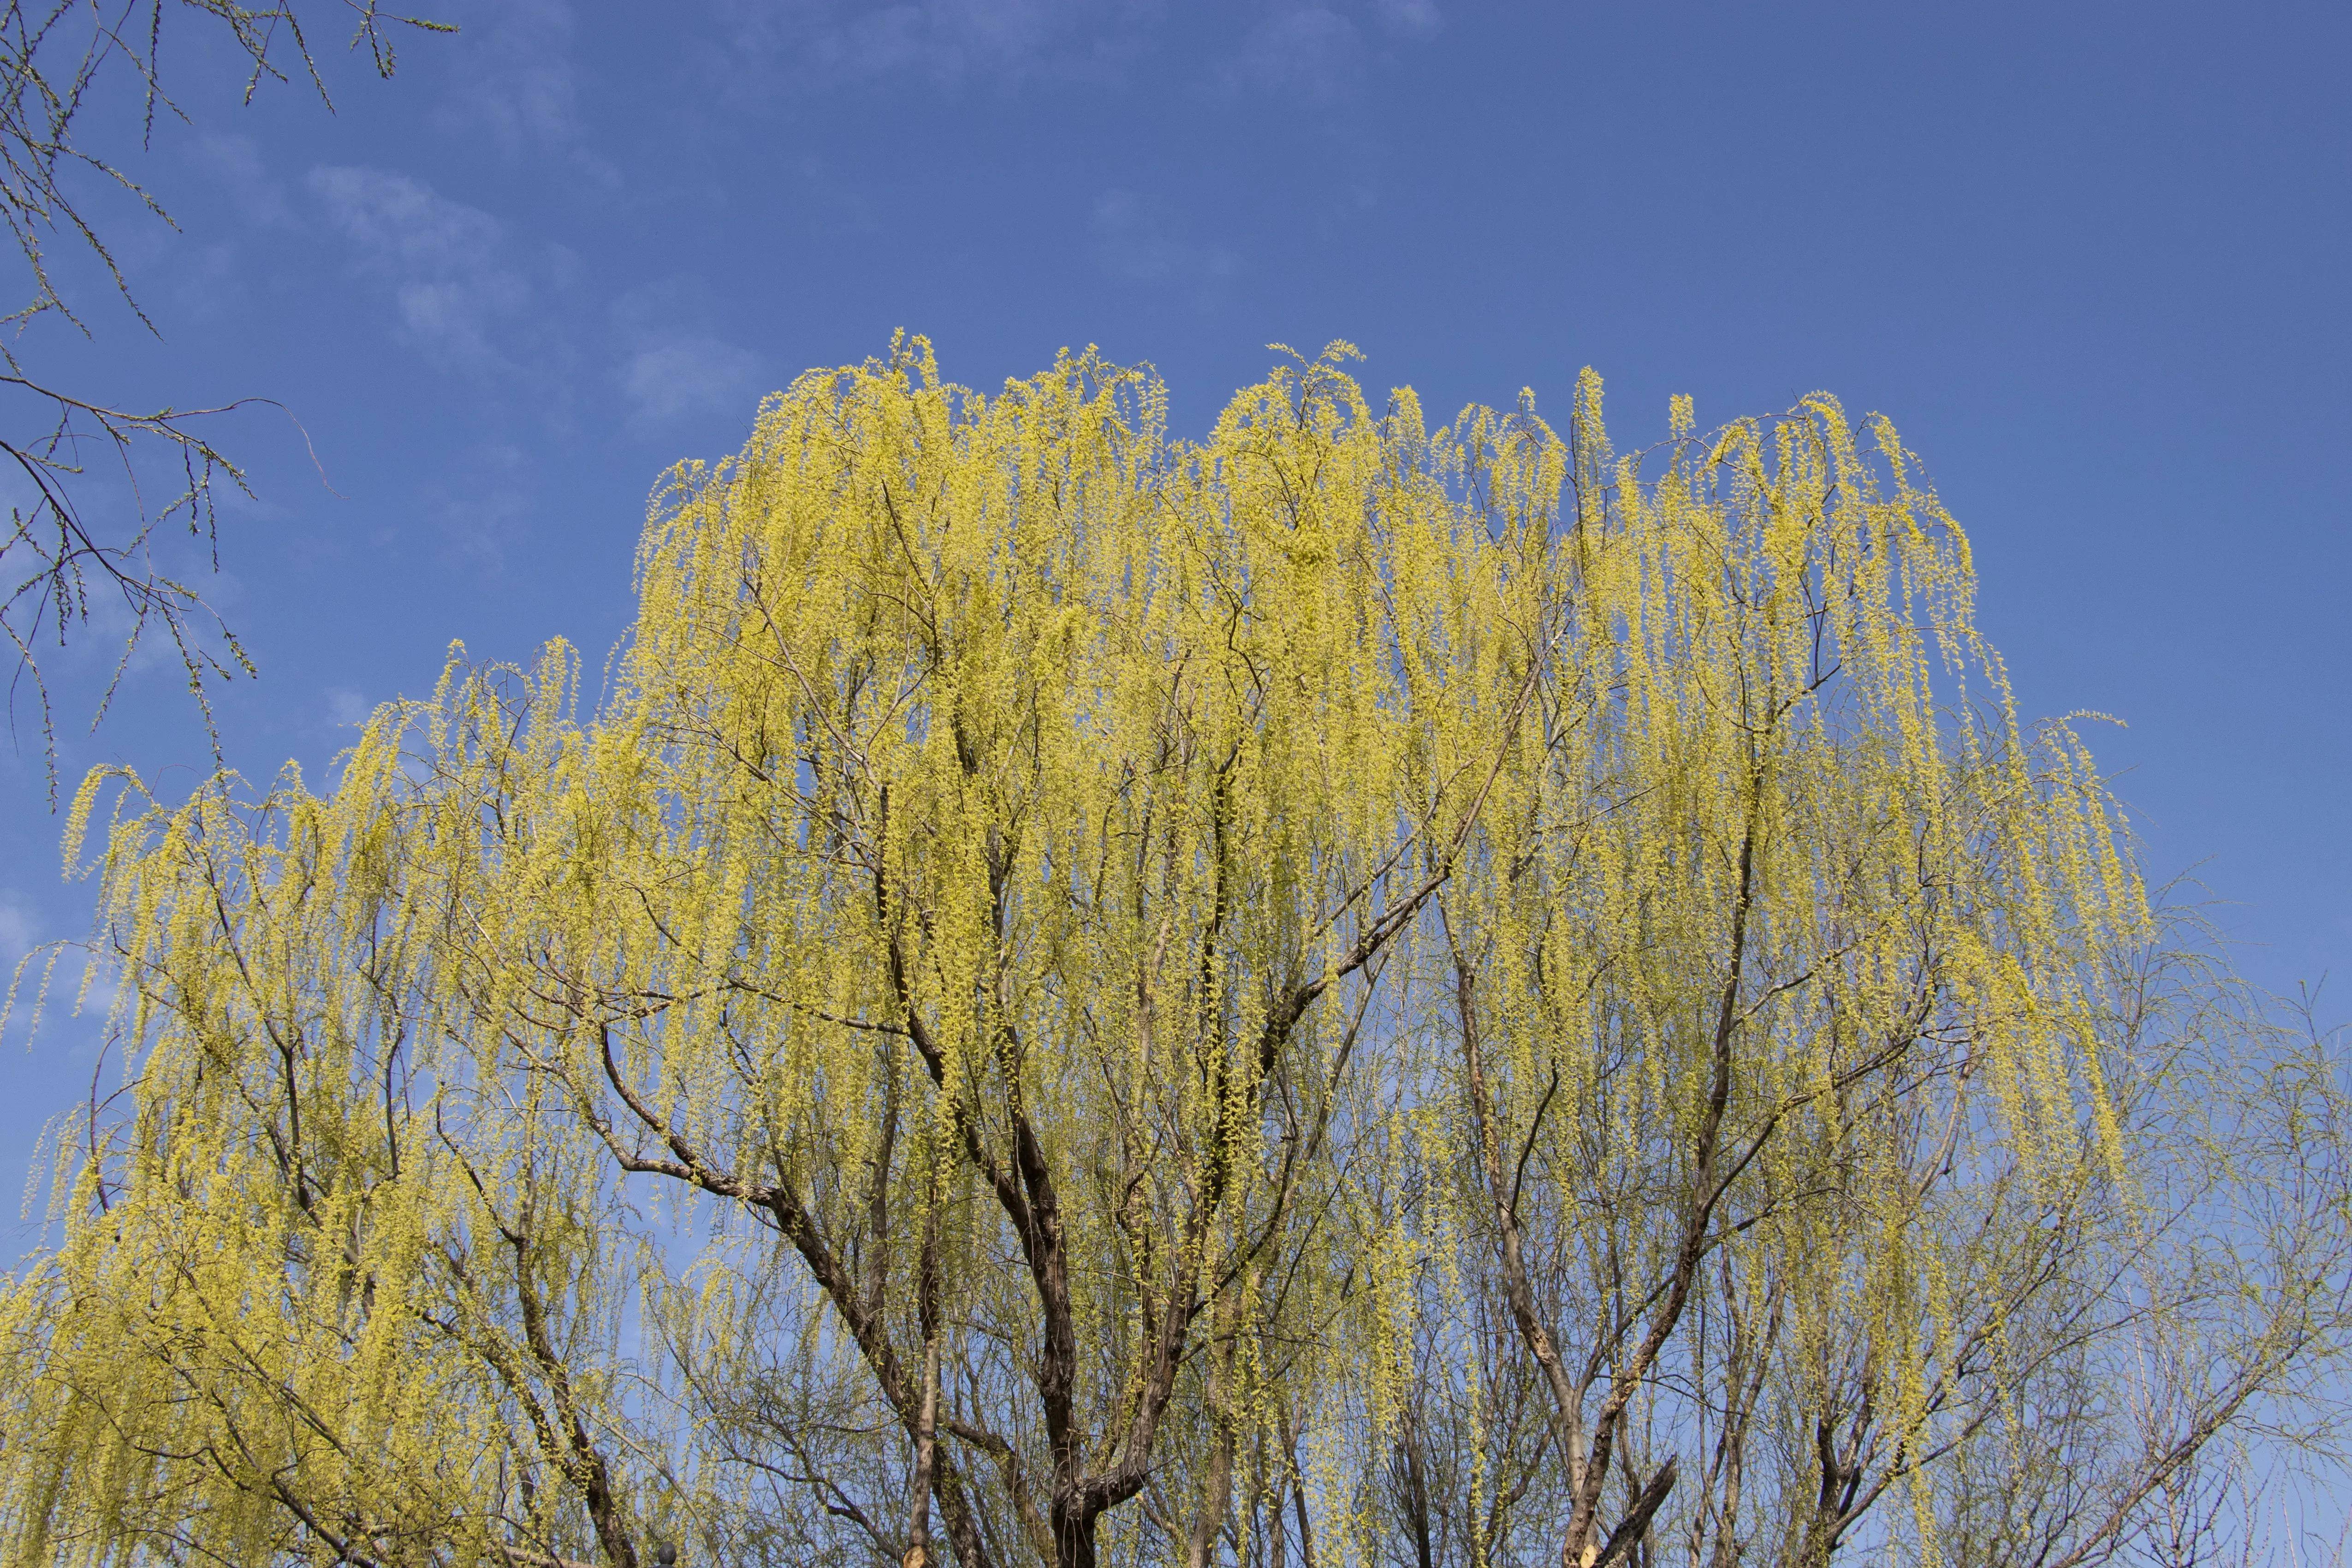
690,375
19,930
1310,52
673,365
484,502
236,163
211,282
346,709
1136,237
45,975
1408,15
946,41
447,264
515,78
518,80
1314,49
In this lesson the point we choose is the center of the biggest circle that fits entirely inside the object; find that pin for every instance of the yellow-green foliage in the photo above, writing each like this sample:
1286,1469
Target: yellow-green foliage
1002,808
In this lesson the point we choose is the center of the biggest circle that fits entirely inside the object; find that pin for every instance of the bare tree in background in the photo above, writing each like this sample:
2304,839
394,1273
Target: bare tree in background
61,555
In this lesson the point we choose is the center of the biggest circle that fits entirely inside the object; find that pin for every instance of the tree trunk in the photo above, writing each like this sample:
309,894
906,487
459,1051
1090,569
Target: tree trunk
1217,1487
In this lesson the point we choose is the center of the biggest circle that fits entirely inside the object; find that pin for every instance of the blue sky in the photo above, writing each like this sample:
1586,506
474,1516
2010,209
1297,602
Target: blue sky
2092,259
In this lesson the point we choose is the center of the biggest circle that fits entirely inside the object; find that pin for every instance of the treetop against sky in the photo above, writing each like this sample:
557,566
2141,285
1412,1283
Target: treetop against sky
2089,267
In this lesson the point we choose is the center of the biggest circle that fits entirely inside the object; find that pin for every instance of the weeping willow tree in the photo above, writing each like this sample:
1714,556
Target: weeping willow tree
1343,991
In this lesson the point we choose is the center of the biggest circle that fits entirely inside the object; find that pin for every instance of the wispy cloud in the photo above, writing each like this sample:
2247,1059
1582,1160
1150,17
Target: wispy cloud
689,375
519,83
218,277
945,40
1311,52
449,265
1317,52
19,929
1137,238
212,283
1407,16
346,709
30,939
484,502
234,162
673,366
1314,49
516,80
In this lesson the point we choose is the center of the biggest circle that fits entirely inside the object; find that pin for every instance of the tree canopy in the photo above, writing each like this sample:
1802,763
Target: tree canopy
1347,990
